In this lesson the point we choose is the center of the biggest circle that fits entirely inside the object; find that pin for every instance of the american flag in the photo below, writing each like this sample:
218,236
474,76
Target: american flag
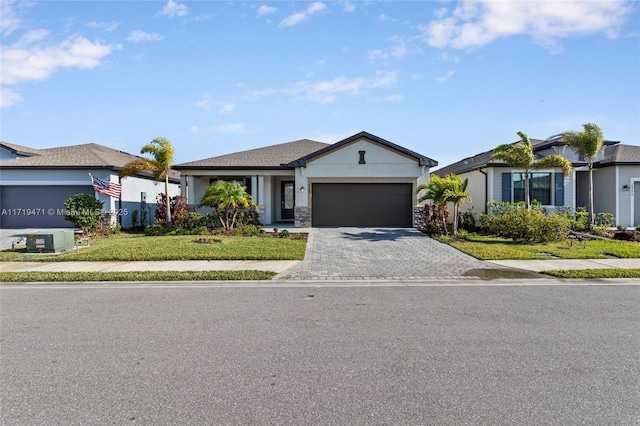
111,189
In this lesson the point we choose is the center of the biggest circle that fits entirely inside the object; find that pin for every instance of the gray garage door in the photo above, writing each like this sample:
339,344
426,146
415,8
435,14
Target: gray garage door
36,206
362,204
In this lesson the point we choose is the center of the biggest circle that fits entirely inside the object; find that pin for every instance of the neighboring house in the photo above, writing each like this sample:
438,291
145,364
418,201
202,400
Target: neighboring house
35,182
362,180
616,180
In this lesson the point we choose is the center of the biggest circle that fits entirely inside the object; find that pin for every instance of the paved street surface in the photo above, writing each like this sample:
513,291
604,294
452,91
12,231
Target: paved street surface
157,354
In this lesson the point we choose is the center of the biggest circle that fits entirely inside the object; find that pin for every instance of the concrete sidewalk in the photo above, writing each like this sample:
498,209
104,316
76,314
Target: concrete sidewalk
282,265
567,264
171,265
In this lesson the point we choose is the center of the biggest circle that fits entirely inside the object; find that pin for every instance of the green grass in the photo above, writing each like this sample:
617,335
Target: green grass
129,247
596,273
135,276
496,248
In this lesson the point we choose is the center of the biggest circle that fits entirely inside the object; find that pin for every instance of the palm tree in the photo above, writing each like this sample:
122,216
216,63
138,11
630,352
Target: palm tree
455,193
160,165
436,191
227,197
521,156
587,143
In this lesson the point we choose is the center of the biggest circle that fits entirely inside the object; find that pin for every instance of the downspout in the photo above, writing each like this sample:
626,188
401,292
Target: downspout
486,189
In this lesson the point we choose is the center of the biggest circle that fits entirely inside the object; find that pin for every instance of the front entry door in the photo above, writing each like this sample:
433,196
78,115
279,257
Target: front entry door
288,200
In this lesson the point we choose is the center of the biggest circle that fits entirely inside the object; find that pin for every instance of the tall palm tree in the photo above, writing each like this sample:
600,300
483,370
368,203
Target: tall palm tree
436,191
521,156
455,193
587,143
162,152
227,197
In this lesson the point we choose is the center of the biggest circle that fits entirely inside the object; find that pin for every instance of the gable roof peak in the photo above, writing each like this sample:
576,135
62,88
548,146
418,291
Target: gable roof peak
422,160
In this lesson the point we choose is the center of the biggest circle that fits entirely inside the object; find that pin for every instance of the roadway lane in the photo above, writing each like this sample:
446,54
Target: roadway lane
320,355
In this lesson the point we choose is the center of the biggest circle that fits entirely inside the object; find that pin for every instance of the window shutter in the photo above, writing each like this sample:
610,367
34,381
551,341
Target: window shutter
506,187
559,184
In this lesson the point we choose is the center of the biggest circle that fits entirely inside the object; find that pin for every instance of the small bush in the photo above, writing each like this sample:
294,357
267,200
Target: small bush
248,217
607,220
159,230
284,234
84,211
463,234
518,223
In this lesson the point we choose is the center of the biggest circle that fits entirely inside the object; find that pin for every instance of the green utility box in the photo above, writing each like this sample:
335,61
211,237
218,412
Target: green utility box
50,242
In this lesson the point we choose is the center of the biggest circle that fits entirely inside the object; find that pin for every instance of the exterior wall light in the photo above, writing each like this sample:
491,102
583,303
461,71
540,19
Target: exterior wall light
625,187
302,189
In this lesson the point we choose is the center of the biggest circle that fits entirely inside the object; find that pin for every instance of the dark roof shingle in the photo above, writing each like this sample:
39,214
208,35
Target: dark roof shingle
274,156
90,155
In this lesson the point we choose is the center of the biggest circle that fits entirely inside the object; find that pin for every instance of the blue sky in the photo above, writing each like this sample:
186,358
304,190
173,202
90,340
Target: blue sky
446,79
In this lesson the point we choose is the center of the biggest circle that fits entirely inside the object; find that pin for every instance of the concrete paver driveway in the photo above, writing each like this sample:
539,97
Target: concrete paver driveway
379,253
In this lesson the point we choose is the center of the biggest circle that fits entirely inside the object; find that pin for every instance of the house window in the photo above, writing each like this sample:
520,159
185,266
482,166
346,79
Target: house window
539,187
361,153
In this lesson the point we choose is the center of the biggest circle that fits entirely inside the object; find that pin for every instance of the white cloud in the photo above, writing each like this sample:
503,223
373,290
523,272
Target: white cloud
348,7
299,17
173,9
445,77
24,61
227,108
229,128
107,26
394,98
265,10
204,103
328,91
141,37
475,23
8,97
9,10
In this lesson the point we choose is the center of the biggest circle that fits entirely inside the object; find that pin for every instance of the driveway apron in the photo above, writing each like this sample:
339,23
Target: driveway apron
378,254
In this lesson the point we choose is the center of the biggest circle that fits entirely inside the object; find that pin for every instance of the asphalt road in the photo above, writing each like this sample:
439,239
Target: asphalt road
450,355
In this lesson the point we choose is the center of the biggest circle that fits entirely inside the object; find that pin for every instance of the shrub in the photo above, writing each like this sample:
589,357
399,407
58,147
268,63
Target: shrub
607,220
518,223
433,219
463,234
467,221
579,220
284,234
248,231
178,208
248,217
159,230
84,211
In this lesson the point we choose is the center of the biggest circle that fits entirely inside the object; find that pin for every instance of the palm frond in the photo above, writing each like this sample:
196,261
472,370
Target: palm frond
136,166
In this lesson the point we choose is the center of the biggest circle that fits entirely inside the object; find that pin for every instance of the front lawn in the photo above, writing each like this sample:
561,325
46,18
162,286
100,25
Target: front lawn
131,247
134,276
596,273
495,248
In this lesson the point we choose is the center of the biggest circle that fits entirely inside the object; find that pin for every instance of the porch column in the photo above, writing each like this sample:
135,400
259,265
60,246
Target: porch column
259,197
190,187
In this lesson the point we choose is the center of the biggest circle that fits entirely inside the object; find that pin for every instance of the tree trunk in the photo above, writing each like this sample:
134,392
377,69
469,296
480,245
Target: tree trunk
166,191
592,218
527,196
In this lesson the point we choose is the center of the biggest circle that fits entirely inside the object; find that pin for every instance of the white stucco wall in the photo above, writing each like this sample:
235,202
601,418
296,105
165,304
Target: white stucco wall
131,187
342,165
622,175
477,191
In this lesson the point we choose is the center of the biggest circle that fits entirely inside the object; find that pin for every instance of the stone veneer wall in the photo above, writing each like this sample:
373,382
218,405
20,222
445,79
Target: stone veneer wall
419,218
302,217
